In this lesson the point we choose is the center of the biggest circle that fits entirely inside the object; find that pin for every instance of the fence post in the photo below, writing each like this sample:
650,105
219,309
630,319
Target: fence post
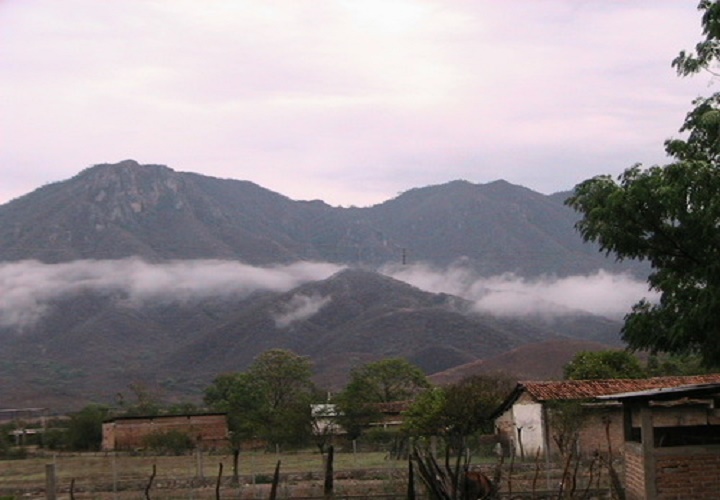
50,493
114,475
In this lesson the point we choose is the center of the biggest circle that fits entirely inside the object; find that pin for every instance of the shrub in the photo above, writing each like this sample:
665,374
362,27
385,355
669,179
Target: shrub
169,442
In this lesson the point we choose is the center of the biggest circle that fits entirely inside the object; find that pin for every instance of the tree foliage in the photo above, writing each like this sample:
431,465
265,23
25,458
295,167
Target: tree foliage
669,216
383,381
470,402
270,401
589,365
84,429
426,416
458,410
707,50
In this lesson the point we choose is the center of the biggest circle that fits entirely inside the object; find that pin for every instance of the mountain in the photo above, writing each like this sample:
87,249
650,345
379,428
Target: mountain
361,316
543,360
90,343
151,211
91,347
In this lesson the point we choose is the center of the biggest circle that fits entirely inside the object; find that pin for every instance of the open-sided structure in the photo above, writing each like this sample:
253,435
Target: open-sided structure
672,442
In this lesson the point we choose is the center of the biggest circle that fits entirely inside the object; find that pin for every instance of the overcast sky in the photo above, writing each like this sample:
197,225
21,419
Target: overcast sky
350,101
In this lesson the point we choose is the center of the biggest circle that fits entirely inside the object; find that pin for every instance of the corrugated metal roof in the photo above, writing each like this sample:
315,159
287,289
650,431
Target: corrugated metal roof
683,391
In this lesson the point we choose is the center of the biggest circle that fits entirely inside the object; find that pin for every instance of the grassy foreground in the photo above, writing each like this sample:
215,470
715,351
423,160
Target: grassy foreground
109,475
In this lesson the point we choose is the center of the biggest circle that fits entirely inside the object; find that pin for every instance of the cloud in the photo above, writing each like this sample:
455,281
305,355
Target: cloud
28,287
299,308
601,293
345,101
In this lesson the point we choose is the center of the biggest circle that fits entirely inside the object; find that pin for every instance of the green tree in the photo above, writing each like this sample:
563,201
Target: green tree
271,401
284,382
383,381
471,401
84,429
593,365
426,416
669,216
238,396
659,365
458,410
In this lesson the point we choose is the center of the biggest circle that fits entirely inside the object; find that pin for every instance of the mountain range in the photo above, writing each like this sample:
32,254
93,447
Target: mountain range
89,342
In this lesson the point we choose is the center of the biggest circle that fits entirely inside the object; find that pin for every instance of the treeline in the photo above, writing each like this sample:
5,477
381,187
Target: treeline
275,402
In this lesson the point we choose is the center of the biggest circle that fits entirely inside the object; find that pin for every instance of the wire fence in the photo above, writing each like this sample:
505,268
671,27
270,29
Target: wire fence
202,475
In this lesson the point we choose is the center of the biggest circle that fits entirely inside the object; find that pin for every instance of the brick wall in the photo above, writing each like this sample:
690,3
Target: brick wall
208,431
593,436
634,472
688,472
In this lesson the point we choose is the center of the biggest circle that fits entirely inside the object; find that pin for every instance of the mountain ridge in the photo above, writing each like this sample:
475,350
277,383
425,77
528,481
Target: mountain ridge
151,211
92,342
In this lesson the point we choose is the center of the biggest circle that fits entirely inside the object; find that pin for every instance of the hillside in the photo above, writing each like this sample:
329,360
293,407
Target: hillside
537,361
168,278
91,348
151,211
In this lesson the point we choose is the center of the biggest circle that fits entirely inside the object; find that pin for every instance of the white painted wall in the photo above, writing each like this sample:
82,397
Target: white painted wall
528,418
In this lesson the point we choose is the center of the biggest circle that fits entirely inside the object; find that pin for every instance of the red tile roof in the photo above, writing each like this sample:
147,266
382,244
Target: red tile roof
587,389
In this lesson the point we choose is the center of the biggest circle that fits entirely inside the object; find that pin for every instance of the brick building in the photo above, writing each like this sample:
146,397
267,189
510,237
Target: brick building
207,430
672,442
525,420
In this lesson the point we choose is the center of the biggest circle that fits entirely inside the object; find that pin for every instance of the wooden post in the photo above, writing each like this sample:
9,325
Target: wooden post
114,475
275,482
50,481
648,449
150,482
411,481
328,486
218,482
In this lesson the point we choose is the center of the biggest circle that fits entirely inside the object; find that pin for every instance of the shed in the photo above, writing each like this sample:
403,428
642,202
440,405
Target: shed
672,442
524,420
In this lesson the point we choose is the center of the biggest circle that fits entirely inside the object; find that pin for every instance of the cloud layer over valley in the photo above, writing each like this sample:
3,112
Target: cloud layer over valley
602,293
28,288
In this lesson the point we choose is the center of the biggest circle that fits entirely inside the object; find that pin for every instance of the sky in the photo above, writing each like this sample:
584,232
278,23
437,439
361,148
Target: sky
348,101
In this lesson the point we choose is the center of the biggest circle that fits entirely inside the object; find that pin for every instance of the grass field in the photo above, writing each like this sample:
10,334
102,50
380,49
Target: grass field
122,476
109,476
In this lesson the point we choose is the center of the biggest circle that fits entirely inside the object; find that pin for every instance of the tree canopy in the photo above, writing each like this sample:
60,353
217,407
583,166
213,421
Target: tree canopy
458,410
270,401
669,216
589,365
383,381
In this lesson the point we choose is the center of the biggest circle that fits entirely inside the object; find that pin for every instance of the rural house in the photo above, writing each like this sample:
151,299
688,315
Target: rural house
672,442
525,420
207,430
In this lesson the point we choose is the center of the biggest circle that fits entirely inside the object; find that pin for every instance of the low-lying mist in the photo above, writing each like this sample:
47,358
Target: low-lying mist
28,287
601,293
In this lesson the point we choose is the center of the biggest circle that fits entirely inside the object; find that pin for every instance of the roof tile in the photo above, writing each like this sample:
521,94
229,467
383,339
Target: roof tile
585,389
